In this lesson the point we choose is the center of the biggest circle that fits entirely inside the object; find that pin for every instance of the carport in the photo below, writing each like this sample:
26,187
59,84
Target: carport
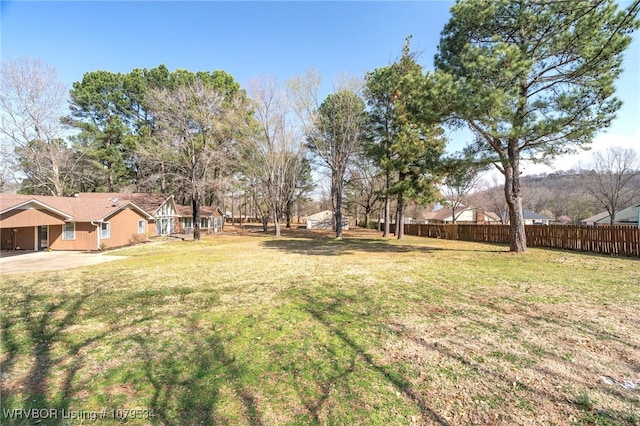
17,230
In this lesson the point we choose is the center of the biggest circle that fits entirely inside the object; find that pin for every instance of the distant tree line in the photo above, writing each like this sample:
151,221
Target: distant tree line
608,182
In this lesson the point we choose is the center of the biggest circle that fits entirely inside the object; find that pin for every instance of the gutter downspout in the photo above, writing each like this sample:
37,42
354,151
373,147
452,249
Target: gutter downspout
98,230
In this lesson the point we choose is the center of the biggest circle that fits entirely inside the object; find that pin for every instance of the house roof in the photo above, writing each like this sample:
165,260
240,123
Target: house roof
148,202
10,202
628,215
186,211
447,213
85,207
440,214
530,215
492,216
322,215
596,218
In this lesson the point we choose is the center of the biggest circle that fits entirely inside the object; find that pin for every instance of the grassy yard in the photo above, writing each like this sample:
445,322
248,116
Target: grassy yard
305,329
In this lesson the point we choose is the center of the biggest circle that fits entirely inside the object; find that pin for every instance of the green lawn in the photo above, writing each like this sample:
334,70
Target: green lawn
305,329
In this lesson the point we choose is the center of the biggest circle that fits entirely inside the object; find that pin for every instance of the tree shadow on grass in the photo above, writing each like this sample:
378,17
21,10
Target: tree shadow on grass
322,312
34,329
339,247
321,243
47,334
42,326
192,395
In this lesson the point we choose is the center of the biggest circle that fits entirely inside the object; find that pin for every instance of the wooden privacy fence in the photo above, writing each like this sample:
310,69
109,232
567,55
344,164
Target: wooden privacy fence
618,240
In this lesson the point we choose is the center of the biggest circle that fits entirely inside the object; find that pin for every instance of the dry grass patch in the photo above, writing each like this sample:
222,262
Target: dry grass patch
305,329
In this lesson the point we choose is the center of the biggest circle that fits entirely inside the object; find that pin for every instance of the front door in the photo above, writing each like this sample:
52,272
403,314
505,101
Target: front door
43,237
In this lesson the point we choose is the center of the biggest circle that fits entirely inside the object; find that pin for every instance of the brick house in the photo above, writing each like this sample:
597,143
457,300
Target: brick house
86,221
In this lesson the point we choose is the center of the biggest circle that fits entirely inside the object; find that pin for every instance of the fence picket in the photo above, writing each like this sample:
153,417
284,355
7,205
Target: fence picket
617,240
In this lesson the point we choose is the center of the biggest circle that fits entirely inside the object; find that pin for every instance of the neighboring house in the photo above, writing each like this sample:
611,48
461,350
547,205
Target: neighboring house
31,222
325,220
533,218
161,207
593,220
464,216
211,219
628,216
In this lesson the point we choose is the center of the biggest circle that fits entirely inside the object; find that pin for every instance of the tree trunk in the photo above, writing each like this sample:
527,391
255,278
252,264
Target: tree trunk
163,181
55,173
233,212
265,223
276,219
196,217
287,214
110,185
387,204
336,198
517,235
400,217
338,212
612,217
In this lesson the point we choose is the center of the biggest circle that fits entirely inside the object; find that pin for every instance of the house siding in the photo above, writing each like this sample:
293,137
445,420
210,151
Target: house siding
124,229
166,218
151,227
28,217
86,238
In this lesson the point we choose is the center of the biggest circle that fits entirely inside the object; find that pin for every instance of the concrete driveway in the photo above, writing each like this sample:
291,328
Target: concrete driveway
18,262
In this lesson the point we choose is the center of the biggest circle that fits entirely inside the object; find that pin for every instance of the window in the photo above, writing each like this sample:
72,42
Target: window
141,227
105,230
69,231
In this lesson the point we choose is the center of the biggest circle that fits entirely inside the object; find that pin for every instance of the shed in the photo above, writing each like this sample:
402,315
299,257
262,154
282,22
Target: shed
325,220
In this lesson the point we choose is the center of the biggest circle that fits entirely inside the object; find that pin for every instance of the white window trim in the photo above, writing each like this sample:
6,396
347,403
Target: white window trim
142,228
64,232
102,237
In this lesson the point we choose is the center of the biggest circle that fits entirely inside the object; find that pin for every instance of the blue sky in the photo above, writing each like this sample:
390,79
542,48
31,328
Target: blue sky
249,39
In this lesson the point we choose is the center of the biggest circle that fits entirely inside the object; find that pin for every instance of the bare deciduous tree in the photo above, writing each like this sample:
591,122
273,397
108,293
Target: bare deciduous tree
32,99
334,130
275,154
197,124
365,186
491,198
460,181
611,178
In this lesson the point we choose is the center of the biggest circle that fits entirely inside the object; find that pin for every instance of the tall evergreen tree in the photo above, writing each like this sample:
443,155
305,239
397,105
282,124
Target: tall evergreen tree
101,110
407,143
532,79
